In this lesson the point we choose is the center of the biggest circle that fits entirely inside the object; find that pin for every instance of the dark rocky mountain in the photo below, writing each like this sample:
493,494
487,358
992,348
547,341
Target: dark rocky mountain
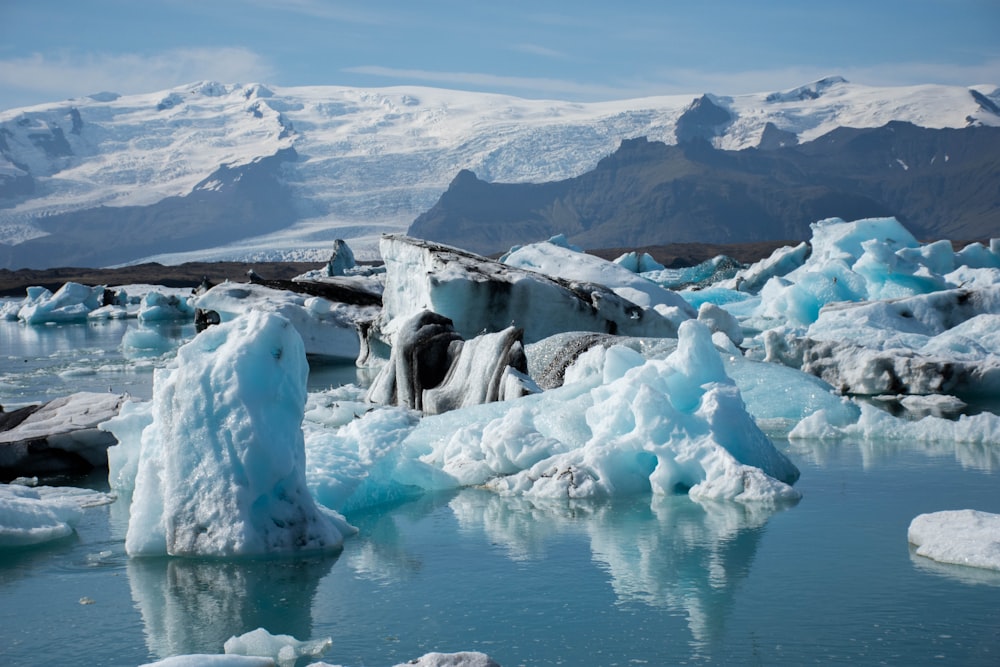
940,183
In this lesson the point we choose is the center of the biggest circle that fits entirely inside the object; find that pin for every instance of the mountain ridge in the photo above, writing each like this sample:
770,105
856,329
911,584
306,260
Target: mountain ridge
939,183
360,162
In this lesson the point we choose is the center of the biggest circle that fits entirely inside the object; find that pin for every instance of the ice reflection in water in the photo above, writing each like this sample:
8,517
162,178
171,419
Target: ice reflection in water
662,551
194,606
977,456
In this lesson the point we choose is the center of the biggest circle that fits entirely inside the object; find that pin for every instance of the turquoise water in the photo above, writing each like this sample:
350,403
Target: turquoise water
654,581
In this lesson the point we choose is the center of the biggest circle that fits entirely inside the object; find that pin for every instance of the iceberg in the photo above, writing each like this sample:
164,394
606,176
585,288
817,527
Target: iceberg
461,659
869,259
62,435
283,649
559,261
211,660
74,302
220,466
480,295
156,307
35,515
619,425
960,537
872,311
71,303
328,329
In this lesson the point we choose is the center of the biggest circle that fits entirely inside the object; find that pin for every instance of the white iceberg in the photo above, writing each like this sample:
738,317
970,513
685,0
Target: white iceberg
960,537
71,303
327,329
212,660
559,261
283,649
35,515
220,469
156,306
619,425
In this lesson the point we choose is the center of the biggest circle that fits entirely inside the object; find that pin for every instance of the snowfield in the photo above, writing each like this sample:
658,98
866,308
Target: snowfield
368,161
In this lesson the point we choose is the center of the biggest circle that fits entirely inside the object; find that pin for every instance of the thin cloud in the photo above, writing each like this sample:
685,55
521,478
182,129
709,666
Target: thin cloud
325,10
538,50
677,81
54,77
493,82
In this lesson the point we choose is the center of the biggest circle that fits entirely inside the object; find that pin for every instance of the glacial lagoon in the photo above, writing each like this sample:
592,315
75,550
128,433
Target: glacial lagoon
640,580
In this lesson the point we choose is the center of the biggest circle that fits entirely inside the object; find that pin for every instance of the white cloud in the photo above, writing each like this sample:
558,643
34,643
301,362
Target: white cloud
677,81
695,82
515,84
322,9
54,77
538,50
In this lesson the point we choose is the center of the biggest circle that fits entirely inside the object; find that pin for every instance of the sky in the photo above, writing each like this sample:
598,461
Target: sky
582,50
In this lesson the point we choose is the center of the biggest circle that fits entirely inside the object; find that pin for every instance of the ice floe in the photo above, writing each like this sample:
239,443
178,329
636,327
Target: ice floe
32,515
960,537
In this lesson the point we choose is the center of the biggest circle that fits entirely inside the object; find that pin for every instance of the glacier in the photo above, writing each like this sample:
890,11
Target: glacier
355,163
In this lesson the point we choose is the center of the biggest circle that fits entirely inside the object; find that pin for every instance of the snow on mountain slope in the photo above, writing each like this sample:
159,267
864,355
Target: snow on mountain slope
368,161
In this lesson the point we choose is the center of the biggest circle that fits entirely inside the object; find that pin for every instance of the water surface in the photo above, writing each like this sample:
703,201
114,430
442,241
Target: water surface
644,580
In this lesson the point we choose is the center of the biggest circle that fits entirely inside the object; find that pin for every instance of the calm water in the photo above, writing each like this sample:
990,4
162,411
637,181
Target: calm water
655,581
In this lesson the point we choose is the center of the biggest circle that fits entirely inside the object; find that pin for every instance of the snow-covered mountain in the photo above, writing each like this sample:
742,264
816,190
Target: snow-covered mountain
215,171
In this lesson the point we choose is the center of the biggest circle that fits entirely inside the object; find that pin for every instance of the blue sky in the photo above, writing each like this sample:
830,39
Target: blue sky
580,50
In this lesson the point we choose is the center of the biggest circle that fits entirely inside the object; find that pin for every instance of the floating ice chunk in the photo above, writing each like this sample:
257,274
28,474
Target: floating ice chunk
561,262
978,256
875,258
284,649
780,262
9,309
71,303
961,537
657,425
109,312
341,260
779,397
221,468
354,466
619,425
718,319
156,307
146,340
835,239
480,295
461,659
211,660
327,329
60,435
639,263
34,515
943,342
874,424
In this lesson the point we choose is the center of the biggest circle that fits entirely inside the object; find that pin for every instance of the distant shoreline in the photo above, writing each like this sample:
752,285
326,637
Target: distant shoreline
191,274
14,283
